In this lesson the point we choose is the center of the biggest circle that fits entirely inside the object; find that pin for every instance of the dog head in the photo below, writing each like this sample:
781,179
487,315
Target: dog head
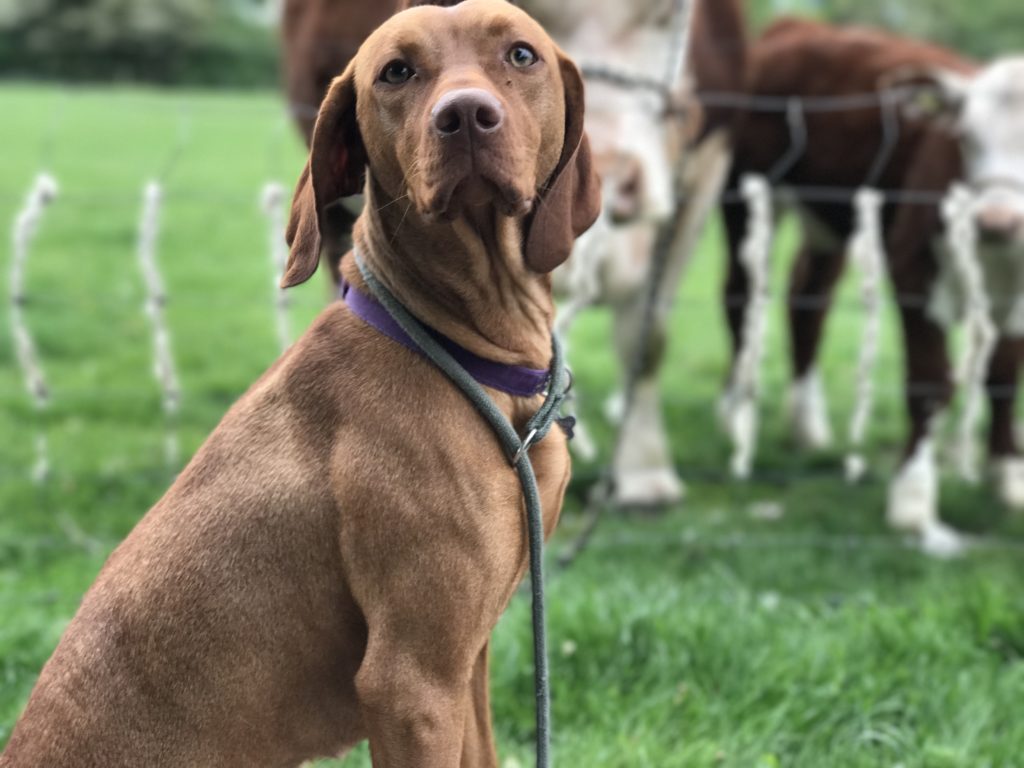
454,107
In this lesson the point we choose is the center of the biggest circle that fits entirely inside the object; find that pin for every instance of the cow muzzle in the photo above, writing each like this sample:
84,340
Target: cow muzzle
1000,224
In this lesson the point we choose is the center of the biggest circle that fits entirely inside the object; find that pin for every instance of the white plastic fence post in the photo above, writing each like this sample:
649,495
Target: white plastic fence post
755,255
583,288
26,225
272,201
958,211
867,251
156,300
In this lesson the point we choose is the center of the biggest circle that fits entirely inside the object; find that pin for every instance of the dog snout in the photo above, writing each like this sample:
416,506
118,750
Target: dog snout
467,111
999,224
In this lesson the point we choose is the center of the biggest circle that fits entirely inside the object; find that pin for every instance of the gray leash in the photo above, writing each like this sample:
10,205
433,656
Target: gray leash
517,451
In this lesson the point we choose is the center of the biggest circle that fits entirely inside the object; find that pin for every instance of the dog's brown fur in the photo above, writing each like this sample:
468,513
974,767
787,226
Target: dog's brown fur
330,565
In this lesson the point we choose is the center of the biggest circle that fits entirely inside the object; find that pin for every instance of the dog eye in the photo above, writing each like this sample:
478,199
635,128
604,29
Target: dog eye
521,56
396,72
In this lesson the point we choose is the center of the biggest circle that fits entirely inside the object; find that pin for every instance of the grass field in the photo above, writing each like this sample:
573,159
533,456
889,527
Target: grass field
708,636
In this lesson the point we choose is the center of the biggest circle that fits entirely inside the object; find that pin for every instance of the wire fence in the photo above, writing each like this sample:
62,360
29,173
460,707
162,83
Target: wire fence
272,199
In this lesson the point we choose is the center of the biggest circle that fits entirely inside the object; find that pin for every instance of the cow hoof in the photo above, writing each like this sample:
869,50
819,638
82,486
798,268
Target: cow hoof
1008,475
651,487
808,413
914,493
582,444
941,541
644,472
615,407
1009,479
725,409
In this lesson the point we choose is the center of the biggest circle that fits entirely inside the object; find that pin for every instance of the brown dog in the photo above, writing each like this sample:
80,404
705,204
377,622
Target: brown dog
637,149
330,565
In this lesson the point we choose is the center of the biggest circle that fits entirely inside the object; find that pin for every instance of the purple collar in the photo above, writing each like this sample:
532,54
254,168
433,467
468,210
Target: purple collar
515,380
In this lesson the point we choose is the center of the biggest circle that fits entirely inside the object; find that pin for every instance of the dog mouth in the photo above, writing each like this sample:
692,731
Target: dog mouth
451,198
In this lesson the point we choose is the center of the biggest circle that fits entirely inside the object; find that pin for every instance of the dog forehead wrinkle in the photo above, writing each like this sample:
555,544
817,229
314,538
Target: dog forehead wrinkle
501,19
499,26
399,42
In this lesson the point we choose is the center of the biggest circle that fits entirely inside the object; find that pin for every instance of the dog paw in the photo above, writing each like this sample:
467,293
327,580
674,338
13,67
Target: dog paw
808,414
743,430
651,487
1008,474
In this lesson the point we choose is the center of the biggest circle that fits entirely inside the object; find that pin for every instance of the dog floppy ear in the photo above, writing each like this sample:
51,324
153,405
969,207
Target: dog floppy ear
336,169
571,199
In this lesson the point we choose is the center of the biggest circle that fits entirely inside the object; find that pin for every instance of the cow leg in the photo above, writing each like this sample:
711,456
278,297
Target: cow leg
644,471
1007,463
736,289
914,492
645,474
812,282
735,298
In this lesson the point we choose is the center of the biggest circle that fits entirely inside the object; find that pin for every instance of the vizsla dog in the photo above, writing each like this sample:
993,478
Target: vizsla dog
637,149
330,565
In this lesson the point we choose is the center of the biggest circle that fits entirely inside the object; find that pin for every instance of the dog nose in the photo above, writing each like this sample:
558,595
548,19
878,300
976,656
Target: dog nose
997,224
468,111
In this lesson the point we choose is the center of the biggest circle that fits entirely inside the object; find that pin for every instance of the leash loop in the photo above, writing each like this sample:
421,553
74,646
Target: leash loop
537,429
527,442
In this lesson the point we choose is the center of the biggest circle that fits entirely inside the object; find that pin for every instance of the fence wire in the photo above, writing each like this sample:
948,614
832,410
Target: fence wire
274,199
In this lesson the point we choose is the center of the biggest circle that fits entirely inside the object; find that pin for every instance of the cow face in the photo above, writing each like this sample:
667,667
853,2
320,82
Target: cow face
992,135
634,153
987,112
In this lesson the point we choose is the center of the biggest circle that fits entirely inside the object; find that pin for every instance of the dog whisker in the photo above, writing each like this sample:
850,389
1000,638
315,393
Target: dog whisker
398,199
401,222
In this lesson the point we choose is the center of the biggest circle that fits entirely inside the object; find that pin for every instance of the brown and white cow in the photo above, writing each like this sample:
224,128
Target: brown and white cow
967,124
636,149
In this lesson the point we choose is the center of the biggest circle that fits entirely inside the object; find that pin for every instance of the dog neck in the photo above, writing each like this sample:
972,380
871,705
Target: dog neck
466,278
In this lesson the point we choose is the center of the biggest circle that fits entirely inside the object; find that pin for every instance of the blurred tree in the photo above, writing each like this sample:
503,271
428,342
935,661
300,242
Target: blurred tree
162,40
983,28
232,41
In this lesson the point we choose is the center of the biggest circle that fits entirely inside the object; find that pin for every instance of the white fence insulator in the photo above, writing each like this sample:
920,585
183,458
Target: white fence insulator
867,251
583,273
156,300
272,200
755,255
26,225
958,211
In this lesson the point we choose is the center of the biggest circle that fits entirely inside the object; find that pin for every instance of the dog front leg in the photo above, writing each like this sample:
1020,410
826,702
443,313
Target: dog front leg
415,712
478,741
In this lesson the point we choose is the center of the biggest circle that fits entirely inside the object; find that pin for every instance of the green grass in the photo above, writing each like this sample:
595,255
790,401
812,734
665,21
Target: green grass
704,637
